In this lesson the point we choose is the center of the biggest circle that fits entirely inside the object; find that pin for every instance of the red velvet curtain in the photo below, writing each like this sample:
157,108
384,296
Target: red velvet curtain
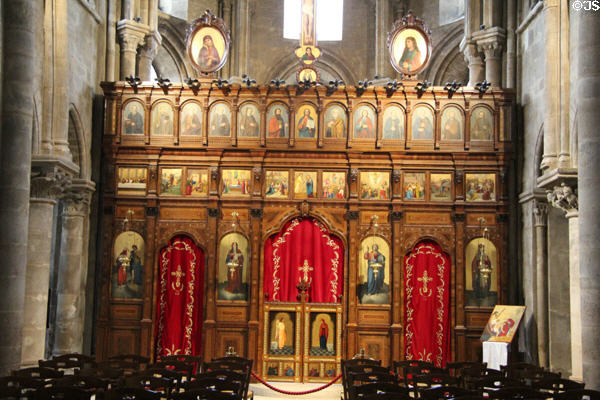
427,304
304,244
180,294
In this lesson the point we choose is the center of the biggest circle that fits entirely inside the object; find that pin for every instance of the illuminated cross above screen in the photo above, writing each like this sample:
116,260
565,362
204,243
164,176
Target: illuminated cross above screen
330,18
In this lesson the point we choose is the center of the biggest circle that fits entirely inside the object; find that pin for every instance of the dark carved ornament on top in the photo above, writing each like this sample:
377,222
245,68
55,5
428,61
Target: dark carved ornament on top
213,212
352,214
353,175
256,212
459,176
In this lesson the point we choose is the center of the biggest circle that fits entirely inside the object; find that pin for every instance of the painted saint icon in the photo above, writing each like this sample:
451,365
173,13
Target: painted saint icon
278,118
374,281
335,122
393,123
127,275
482,124
422,123
364,123
220,120
133,118
191,120
452,124
232,273
306,124
248,121
162,120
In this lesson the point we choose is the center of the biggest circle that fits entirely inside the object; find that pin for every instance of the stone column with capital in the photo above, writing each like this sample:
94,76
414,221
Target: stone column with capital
152,42
46,187
72,270
587,99
564,198
474,61
491,43
540,216
18,63
131,35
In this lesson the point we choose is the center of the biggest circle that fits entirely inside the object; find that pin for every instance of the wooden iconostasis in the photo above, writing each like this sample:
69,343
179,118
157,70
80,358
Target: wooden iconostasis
180,162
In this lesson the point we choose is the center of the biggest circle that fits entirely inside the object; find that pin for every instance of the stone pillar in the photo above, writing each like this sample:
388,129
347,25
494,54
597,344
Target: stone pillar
562,197
243,35
575,299
588,121
147,54
551,84
45,188
540,215
382,10
131,35
18,61
491,42
475,63
72,271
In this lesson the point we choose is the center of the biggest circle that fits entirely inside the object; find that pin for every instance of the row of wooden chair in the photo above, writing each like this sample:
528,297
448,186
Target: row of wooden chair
77,376
365,379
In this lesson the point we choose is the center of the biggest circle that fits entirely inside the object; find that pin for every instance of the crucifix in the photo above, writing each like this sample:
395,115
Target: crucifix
178,274
308,51
424,291
304,282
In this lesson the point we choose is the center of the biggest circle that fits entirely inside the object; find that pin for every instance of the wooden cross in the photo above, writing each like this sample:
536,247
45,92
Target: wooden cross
178,274
425,279
304,284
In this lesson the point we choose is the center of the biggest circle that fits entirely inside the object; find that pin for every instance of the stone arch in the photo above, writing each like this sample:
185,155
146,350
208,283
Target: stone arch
77,143
170,61
447,61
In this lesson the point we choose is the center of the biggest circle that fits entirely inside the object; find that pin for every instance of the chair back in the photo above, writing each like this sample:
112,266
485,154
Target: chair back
63,393
445,392
578,394
39,373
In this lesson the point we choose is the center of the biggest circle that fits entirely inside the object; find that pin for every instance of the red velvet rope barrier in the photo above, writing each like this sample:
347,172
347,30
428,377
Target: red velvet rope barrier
296,393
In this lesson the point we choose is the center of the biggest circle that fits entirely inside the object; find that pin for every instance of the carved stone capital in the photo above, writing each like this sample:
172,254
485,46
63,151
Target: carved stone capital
48,183
131,35
77,198
540,213
471,54
563,197
490,41
352,214
151,44
213,212
256,212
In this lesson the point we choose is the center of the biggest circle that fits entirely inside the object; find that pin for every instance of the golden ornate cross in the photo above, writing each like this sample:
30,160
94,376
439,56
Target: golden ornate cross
425,279
178,274
306,269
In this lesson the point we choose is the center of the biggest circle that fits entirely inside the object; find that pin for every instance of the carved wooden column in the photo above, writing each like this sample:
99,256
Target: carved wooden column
460,329
351,340
211,284
253,324
540,216
397,342
146,335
